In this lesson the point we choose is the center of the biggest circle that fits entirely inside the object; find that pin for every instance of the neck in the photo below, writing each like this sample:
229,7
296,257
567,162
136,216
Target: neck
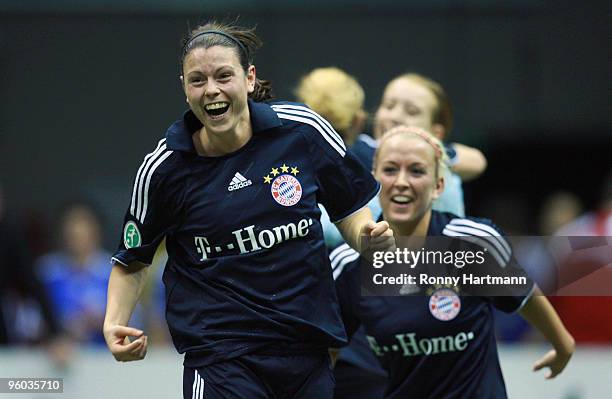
214,145
81,257
418,228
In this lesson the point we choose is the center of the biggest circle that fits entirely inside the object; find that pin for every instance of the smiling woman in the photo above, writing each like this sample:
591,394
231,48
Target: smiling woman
233,187
435,338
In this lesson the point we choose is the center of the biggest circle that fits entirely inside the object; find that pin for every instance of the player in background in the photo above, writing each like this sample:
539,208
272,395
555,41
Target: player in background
412,99
436,341
234,187
339,98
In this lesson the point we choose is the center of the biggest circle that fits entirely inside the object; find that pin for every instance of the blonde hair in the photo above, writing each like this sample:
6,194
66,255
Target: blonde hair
334,94
442,160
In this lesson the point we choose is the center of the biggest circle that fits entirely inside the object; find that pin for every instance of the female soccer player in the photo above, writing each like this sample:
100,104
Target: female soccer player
434,341
233,187
412,99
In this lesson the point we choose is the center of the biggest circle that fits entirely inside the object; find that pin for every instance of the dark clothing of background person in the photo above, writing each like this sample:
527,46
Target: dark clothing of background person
17,274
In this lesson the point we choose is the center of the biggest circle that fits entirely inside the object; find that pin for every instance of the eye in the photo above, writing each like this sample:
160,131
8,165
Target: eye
389,170
196,81
388,104
412,110
418,171
225,76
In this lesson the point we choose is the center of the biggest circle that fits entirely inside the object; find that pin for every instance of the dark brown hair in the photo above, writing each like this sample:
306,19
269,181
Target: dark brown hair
243,40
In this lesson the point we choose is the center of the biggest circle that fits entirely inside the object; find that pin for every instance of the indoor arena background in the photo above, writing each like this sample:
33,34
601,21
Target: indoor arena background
88,87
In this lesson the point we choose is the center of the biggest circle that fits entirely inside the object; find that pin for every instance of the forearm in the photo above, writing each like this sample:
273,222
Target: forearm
540,313
124,288
351,227
471,162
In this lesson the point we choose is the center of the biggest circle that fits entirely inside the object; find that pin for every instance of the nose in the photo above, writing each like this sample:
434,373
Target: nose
212,89
396,116
402,182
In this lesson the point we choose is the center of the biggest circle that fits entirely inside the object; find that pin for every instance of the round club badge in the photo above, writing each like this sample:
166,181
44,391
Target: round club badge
286,190
131,235
444,304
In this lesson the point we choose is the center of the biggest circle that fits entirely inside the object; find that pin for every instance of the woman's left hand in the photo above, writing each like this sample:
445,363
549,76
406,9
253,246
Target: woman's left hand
555,361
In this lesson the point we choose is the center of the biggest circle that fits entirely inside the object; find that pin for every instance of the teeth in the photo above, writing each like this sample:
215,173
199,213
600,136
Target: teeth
212,106
402,199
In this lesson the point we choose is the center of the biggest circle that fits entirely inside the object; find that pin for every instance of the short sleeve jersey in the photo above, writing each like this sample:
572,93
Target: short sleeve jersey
433,345
247,266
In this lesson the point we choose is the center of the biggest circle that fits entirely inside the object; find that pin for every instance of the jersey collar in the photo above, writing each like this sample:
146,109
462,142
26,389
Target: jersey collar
178,135
438,221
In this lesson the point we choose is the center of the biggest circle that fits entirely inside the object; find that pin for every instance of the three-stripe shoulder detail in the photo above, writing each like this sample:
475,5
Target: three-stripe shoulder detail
480,234
305,115
140,192
340,257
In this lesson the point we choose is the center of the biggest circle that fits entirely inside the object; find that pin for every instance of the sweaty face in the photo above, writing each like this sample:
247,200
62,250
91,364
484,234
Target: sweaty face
406,170
217,88
404,102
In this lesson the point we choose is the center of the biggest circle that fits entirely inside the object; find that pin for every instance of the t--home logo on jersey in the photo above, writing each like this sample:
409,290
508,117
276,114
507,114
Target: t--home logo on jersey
131,235
284,185
444,304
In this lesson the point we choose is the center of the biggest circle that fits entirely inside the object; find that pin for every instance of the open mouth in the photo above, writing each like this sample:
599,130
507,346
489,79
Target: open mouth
401,199
216,109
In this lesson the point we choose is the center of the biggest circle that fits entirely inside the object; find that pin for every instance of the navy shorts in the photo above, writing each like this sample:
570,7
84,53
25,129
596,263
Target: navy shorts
257,376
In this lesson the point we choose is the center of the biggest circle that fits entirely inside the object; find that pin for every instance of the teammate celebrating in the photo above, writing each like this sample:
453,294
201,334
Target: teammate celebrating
437,342
234,187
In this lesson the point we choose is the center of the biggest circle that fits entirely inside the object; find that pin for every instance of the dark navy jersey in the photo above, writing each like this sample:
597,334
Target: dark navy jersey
364,148
432,342
247,266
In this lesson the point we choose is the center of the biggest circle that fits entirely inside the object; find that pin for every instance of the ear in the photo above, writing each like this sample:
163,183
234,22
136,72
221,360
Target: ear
439,188
251,77
359,121
439,131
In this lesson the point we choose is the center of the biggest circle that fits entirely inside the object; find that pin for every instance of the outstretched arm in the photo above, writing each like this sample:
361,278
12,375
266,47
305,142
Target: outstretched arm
539,312
360,224
124,288
471,162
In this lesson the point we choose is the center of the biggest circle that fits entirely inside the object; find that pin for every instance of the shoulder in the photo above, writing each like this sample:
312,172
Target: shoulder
366,140
298,117
480,232
159,171
53,266
340,257
159,160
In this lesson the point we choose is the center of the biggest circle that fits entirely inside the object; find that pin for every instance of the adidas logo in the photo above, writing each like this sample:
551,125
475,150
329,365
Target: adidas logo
238,182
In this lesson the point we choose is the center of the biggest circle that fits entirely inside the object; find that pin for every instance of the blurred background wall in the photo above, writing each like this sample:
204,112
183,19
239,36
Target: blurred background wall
89,87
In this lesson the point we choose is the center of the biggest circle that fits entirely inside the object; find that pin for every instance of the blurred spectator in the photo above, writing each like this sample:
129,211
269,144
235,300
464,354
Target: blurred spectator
585,304
76,276
26,314
532,252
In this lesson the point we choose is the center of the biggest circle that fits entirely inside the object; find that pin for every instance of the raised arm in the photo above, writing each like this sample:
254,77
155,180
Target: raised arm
539,313
471,162
124,288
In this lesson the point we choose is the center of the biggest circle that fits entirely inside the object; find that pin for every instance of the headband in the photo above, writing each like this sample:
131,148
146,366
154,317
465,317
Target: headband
217,32
422,134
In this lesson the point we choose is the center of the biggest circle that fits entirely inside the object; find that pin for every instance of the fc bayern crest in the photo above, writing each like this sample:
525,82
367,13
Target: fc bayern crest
444,304
286,190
